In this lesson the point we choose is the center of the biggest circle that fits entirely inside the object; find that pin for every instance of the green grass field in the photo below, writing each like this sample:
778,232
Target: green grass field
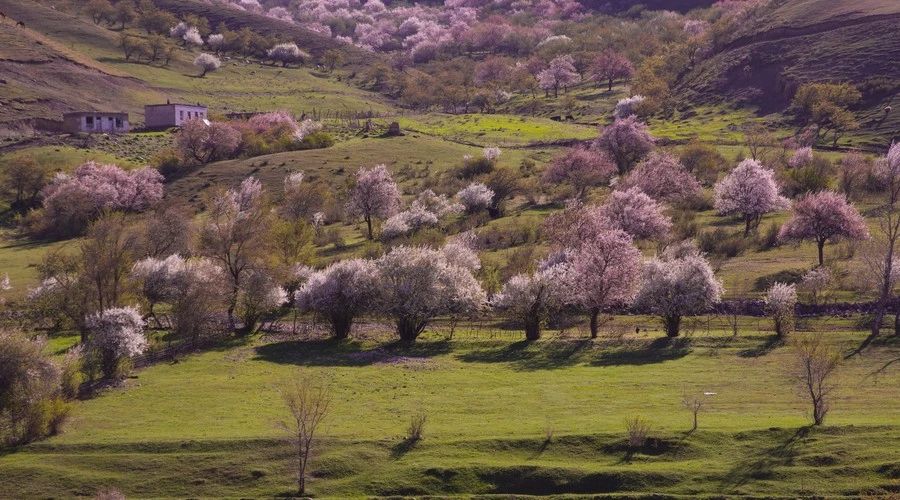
206,425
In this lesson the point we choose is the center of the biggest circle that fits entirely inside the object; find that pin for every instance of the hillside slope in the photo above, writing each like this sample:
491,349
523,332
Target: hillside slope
797,41
42,78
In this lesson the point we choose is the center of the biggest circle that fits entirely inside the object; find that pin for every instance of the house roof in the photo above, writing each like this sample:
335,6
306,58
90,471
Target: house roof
174,104
95,113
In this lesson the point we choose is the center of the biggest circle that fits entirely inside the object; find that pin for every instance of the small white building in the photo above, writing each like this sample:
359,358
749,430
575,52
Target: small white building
167,115
96,122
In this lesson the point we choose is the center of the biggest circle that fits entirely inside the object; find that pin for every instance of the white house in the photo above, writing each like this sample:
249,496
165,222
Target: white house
96,122
172,114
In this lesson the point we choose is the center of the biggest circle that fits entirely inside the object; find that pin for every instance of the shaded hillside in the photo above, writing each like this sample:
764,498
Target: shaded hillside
623,5
41,78
799,41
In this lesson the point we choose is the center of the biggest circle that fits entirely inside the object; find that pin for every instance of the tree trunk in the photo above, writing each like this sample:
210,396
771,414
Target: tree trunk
341,324
594,314
821,245
673,325
408,330
897,323
748,220
610,85
369,225
532,329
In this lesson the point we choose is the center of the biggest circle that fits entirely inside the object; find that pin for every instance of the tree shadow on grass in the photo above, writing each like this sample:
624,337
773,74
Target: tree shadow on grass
771,343
641,352
403,447
332,352
761,466
525,355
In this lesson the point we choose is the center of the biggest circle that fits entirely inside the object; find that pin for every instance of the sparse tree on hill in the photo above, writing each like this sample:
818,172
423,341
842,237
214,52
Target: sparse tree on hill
22,181
287,53
125,13
559,73
375,195
610,66
582,168
100,10
207,63
821,217
750,190
887,170
626,141
674,287
308,401
827,106
815,364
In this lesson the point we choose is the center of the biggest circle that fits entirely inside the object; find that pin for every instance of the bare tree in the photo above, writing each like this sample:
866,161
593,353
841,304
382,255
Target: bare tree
888,172
308,402
694,404
815,364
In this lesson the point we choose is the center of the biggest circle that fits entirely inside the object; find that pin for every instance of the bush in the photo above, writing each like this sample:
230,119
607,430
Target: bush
721,243
473,167
705,162
637,432
317,140
810,178
31,400
416,428
768,238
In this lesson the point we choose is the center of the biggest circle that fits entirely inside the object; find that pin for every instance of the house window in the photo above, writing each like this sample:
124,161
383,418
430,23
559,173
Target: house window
89,121
118,123
181,115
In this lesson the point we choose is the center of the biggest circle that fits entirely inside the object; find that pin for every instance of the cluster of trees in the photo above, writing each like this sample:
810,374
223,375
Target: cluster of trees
199,142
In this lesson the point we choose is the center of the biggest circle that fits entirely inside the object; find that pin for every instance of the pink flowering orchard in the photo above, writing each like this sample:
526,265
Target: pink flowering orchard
749,191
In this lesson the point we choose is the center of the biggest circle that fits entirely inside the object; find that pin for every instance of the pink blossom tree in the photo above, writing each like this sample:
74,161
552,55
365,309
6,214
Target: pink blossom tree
605,274
610,66
375,195
533,298
637,214
576,224
72,201
662,177
560,72
201,142
750,191
821,217
117,334
476,197
207,63
417,284
674,287
341,292
626,141
582,168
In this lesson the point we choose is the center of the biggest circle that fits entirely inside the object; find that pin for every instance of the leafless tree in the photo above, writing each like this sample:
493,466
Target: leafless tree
308,401
694,404
814,367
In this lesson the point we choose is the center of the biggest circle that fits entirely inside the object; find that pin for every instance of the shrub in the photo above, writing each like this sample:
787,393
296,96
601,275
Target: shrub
31,399
637,432
416,428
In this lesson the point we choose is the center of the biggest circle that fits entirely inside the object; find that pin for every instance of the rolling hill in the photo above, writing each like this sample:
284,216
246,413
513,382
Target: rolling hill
792,42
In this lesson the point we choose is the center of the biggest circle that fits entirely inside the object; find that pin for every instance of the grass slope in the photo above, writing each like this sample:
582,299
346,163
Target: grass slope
205,426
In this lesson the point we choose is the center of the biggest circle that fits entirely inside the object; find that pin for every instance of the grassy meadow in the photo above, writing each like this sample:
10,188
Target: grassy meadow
503,417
